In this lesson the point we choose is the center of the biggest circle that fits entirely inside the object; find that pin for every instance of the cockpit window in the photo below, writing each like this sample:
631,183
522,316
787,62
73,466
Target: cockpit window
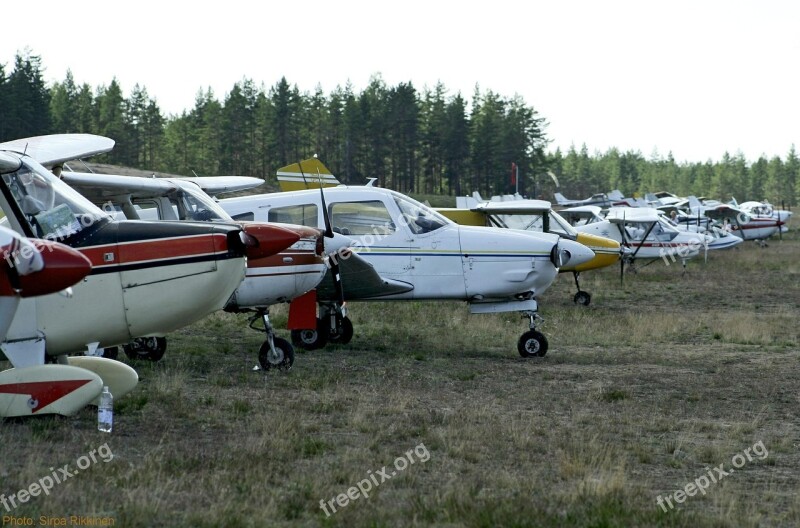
51,208
194,204
419,218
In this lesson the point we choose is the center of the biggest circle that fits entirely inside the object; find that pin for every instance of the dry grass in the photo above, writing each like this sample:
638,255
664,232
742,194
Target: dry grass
641,392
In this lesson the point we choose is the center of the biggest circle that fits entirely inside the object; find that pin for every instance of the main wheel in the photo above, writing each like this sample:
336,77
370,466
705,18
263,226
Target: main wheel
532,344
146,348
312,339
283,357
344,334
583,298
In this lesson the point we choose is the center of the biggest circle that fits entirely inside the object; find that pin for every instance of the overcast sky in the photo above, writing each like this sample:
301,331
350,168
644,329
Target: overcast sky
695,78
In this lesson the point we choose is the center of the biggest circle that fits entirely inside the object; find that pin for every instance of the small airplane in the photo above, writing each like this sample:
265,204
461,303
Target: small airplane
648,235
270,280
411,244
514,212
757,225
600,199
760,209
147,278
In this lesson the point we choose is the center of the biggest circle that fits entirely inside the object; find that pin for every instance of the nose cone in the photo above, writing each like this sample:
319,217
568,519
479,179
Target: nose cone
262,240
63,267
573,253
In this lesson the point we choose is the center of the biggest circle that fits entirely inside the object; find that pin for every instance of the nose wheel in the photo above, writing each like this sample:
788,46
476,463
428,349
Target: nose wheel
275,352
582,297
532,343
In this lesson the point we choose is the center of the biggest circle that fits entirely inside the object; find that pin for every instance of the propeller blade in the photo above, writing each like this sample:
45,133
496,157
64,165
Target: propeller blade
334,262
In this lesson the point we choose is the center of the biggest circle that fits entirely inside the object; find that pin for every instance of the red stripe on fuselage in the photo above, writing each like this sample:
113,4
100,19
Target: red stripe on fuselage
157,249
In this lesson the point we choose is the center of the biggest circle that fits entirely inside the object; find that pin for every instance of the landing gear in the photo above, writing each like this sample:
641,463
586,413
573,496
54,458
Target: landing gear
582,297
333,326
532,343
343,332
146,348
274,352
311,338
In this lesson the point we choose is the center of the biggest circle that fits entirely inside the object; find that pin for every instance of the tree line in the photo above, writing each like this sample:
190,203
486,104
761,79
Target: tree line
427,141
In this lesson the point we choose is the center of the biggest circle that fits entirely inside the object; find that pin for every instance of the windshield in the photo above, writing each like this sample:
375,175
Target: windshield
194,204
50,207
419,218
535,222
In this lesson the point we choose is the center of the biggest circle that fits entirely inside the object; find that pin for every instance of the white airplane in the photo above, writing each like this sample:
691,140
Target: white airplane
270,280
649,236
409,243
147,278
600,199
762,209
759,224
514,212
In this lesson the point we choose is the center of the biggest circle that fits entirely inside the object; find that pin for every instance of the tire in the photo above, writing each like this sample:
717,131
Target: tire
285,352
583,298
345,333
146,348
312,339
532,344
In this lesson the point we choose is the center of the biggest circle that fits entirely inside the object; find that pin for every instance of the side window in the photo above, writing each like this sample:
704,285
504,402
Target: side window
305,215
147,210
361,218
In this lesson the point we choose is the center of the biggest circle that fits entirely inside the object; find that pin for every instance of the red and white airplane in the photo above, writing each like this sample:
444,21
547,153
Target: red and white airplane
270,280
147,278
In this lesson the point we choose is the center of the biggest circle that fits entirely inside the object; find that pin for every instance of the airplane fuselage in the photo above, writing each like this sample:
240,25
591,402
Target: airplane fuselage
441,260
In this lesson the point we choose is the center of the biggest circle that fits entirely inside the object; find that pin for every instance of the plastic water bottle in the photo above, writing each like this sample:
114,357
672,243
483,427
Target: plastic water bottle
105,411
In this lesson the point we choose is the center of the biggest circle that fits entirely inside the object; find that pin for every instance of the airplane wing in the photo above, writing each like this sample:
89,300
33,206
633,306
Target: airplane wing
722,211
100,187
224,184
57,148
513,207
360,281
632,214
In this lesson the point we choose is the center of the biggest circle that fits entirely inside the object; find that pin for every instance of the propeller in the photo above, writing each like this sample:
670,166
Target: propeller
334,262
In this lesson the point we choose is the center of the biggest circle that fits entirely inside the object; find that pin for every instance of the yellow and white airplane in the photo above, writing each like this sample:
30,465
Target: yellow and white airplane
410,244
514,212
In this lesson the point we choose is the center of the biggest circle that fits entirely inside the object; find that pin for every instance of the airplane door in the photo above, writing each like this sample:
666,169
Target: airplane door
381,240
435,250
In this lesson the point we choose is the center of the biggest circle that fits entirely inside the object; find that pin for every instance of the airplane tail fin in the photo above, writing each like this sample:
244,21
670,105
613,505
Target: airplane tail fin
560,200
616,194
307,174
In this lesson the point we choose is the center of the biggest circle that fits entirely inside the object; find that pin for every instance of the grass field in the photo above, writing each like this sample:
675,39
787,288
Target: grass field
650,388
